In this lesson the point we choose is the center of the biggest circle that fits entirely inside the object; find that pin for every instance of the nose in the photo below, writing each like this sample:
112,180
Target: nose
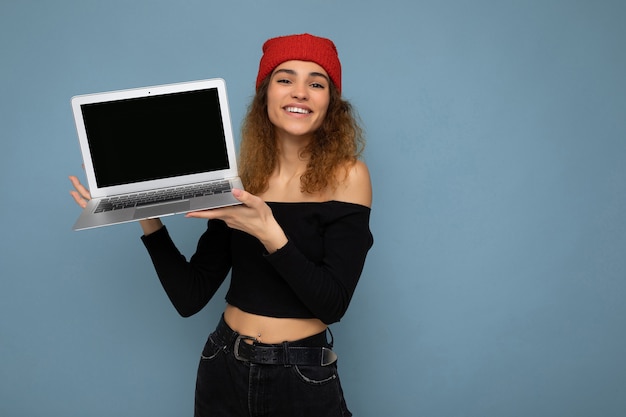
300,91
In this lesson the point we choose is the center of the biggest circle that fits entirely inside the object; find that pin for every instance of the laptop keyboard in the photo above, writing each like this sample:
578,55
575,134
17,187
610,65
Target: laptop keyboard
162,196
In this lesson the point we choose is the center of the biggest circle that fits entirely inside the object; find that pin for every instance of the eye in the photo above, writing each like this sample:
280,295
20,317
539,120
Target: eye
283,81
318,85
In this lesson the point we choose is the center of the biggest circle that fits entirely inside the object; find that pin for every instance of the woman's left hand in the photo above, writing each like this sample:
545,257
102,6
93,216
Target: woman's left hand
254,217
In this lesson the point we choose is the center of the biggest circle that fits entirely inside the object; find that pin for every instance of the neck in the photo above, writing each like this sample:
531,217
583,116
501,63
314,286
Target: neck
290,166
291,160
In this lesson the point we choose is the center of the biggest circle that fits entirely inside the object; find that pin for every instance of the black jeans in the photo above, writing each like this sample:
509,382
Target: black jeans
229,387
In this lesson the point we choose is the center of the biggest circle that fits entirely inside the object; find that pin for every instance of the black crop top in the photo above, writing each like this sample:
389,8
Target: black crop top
313,276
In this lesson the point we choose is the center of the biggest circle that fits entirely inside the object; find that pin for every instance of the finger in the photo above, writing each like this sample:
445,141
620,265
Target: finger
215,213
79,200
198,215
245,197
237,193
204,214
80,188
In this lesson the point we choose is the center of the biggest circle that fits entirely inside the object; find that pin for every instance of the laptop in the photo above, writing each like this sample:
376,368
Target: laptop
155,151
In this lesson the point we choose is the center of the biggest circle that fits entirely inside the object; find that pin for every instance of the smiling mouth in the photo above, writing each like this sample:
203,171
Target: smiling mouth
297,110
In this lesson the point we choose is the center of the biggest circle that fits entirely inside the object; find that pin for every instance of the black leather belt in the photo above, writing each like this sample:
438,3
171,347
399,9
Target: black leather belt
283,354
246,349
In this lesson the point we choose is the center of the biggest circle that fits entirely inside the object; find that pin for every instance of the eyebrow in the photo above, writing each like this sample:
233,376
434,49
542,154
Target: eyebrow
311,74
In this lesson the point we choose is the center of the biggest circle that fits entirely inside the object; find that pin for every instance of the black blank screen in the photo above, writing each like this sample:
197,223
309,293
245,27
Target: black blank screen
155,137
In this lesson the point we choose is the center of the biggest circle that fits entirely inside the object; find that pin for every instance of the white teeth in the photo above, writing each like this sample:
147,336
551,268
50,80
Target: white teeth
297,110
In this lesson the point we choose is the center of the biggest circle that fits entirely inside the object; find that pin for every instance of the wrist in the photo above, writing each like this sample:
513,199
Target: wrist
275,239
150,225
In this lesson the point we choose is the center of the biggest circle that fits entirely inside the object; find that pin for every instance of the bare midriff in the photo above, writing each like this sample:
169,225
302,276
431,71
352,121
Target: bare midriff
271,330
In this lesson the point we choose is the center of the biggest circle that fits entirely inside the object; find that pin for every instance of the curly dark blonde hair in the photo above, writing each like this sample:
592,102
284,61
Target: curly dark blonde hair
338,143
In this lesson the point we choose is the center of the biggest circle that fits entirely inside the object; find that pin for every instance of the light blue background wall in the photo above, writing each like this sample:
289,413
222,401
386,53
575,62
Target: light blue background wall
497,146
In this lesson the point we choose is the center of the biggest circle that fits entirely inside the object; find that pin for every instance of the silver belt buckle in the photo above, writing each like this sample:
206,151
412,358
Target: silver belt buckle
328,357
236,347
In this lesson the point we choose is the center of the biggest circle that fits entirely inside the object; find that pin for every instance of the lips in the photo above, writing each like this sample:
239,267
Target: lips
298,110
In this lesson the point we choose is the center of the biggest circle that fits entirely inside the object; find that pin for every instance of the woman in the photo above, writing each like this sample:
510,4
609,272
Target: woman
296,246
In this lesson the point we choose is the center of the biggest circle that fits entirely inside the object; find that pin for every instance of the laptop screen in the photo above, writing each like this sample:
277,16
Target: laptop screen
155,137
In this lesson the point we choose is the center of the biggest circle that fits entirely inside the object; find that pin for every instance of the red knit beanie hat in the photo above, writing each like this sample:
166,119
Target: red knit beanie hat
303,47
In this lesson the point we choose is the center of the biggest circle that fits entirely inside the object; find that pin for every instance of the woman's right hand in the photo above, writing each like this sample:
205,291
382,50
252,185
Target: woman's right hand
80,193
82,196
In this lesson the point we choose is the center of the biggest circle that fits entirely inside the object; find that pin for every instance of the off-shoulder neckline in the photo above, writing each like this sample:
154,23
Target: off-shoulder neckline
328,202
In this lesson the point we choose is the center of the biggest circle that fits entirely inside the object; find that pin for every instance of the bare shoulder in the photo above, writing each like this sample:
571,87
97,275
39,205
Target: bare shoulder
356,186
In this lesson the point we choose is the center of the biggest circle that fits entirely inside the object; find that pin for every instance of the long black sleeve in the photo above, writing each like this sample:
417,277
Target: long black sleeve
315,274
326,287
191,284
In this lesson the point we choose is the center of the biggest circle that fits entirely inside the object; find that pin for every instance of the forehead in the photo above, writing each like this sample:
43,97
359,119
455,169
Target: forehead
304,67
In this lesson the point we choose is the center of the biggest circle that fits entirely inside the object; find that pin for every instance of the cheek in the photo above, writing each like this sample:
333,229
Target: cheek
320,119
273,116
271,109
321,115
